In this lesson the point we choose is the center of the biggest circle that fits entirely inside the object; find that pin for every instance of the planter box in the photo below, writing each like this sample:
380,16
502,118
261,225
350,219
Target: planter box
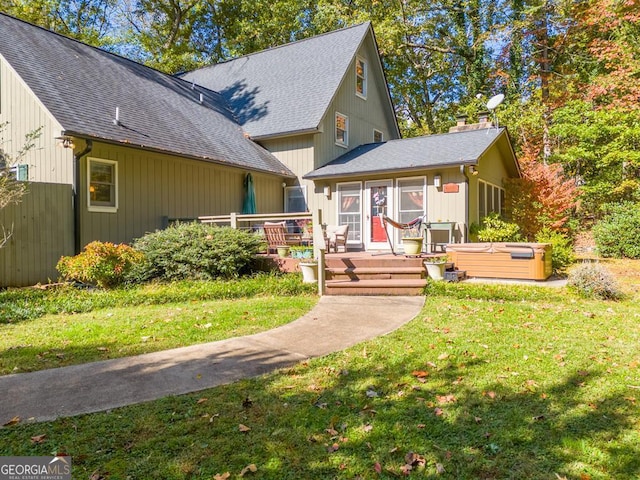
527,261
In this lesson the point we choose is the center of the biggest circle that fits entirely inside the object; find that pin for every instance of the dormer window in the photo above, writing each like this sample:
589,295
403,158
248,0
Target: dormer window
342,130
361,78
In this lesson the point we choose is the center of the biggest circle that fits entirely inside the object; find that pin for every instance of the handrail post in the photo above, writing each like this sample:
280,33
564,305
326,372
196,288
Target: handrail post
233,220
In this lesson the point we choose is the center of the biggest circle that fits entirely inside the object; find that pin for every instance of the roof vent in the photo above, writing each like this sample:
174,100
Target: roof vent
116,121
201,98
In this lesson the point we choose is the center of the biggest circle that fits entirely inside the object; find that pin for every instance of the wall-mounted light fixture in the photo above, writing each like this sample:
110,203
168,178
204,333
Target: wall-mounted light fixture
473,170
437,181
327,191
284,184
65,142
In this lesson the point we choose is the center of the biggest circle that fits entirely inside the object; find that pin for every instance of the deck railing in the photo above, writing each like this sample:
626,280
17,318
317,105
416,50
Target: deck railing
253,220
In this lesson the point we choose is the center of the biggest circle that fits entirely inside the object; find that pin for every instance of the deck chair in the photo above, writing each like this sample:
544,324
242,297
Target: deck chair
277,236
336,237
415,223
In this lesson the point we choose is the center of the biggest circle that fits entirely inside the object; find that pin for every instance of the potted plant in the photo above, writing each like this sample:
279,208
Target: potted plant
301,251
412,240
435,267
309,269
283,251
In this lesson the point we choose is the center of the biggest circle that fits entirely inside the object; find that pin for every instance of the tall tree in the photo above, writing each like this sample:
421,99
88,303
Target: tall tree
87,20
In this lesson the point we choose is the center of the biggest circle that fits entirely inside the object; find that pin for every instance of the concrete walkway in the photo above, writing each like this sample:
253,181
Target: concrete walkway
334,324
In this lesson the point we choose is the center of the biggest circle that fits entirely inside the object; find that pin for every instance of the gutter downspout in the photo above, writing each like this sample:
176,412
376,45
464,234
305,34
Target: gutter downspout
466,203
76,195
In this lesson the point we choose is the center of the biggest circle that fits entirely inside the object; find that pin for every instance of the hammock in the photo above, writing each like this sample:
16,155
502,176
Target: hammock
415,223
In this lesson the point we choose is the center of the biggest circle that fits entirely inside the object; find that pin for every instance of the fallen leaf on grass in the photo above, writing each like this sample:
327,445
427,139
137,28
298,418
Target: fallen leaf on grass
13,421
224,476
38,438
333,448
438,412
244,428
249,468
377,467
102,349
201,400
440,468
444,399
419,373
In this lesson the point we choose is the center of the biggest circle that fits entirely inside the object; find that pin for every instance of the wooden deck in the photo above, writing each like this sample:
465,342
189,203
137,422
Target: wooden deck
365,273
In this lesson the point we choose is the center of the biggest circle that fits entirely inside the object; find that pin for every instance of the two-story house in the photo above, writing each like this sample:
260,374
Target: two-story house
124,147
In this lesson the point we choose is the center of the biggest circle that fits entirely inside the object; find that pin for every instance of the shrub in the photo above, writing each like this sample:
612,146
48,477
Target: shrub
103,264
196,251
562,255
495,229
618,233
592,280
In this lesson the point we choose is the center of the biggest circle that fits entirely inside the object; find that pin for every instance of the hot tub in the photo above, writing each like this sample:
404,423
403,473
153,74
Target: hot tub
529,261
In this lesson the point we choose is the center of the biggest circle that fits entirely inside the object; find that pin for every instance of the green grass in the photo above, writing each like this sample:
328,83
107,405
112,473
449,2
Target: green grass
132,321
489,382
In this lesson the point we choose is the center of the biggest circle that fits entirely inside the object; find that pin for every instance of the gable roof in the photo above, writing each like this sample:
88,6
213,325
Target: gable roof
418,153
81,86
285,89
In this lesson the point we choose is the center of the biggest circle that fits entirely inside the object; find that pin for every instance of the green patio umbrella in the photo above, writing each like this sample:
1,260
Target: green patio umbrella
249,203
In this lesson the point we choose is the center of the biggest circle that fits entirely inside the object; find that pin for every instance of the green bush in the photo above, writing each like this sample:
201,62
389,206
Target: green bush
495,229
100,263
617,235
196,251
592,280
562,255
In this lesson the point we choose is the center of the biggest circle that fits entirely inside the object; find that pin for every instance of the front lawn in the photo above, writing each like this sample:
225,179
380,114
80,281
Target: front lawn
489,382
53,328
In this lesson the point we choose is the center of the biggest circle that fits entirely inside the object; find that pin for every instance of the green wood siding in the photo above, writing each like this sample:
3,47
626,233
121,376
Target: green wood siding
364,115
153,187
42,232
24,114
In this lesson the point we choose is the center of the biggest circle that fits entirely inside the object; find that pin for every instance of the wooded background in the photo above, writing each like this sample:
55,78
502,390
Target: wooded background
570,72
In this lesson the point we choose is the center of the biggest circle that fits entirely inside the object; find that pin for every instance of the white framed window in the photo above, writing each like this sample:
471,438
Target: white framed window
102,182
350,209
412,196
490,199
295,199
342,130
361,78
378,136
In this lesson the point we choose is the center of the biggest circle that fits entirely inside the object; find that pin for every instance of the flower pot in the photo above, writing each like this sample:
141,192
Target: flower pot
283,251
309,272
412,245
435,270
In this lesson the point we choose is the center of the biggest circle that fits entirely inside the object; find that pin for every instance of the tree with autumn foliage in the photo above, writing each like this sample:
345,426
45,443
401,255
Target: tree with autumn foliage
543,198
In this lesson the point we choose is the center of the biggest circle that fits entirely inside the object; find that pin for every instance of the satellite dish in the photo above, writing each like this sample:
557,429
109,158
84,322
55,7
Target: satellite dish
493,102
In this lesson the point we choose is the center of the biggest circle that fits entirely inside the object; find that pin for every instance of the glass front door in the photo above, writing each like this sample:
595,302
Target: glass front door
379,199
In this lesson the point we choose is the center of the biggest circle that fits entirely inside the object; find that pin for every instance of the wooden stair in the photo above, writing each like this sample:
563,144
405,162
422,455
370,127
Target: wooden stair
359,274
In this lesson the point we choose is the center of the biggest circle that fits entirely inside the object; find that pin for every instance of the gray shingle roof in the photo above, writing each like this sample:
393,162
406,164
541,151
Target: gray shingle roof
82,86
418,153
310,70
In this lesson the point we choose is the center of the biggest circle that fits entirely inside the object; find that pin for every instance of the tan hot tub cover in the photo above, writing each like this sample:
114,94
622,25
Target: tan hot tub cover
529,261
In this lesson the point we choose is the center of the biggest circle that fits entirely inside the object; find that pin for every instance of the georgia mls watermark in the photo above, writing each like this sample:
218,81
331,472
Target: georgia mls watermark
35,468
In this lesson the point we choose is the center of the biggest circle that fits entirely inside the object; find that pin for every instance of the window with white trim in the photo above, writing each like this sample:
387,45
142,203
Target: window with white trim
102,181
490,199
342,130
377,136
295,199
350,209
361,78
